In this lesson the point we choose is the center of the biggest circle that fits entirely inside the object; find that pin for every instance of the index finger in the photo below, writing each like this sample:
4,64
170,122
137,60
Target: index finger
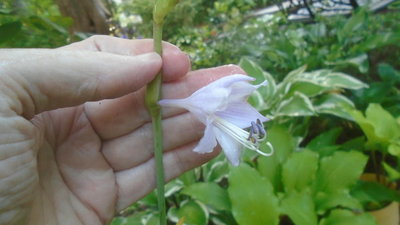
175,62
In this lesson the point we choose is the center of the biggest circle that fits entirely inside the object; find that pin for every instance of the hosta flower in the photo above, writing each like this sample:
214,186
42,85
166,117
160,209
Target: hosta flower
231,121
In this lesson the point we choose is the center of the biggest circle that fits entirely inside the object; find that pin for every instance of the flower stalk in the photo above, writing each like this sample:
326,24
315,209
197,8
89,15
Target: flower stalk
153,95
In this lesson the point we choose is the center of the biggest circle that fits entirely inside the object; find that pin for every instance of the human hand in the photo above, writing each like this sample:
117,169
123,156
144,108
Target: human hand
75,137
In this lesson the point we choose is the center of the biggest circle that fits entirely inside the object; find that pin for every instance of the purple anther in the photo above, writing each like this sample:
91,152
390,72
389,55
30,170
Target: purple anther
254,128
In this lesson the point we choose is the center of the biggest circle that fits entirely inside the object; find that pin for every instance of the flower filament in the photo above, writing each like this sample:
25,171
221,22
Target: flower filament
250,139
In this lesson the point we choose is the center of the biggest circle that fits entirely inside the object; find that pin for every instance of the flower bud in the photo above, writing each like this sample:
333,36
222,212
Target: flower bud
162,8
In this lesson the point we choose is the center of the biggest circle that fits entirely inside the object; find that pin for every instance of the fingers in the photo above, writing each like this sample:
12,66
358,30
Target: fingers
175,63
50,79
118,117
175,163
135,148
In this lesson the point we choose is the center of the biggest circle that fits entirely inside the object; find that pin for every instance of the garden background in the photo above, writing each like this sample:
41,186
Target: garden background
333,97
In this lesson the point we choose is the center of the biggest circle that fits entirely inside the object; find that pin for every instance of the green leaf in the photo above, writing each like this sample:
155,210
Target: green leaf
299,170
9,30
194,213
374,193
378,40
173,187
388,73
309,88
5,11
291,76
359,61
326,201
218,170
210,194
270,168
299,206
297,105
339,171
346,217
354,23
326,138
385,125
252,197
334,104
342,80
393,174
379,125
394,149
282,141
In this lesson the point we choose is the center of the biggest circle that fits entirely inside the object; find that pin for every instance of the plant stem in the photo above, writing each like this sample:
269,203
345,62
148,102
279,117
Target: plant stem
153,94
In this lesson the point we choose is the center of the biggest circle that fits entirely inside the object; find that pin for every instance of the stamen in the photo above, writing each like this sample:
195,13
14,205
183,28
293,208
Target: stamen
249,139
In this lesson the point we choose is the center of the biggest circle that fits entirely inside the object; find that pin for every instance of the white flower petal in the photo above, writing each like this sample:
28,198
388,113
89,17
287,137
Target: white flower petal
241,90
207,142
224,82
229,145
208,102
241,114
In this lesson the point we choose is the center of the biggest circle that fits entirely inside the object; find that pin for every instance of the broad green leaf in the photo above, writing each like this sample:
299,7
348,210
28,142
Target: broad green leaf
135,219
9,30
336,79
376,92
194,213
5,11
339,171
354,23
119,221
188,178
299,170
388,73
209,194
292,76
334,104
297,105
366,126
309,88
299,206
223,218
173,187
374,193
394,149
360,62
217,171
326,201
150,199
252,197
325,139
393,174
282,141
377,41
346,217
270,168
385,125
379,125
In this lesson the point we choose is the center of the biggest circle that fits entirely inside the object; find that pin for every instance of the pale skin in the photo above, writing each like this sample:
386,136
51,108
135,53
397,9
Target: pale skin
75,137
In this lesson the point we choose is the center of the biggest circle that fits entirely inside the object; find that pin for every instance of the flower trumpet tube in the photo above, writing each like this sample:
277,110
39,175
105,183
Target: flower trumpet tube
230,120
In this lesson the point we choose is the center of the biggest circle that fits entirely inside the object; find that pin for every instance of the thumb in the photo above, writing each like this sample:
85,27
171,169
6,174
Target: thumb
37,80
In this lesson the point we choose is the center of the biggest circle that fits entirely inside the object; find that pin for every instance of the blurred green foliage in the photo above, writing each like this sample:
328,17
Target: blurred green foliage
32,23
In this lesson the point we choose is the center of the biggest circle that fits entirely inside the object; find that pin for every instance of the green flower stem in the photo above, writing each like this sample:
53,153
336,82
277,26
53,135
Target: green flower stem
153,94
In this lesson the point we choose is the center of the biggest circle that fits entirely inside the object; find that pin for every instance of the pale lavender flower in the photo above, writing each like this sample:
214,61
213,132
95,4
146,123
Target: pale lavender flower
222,106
